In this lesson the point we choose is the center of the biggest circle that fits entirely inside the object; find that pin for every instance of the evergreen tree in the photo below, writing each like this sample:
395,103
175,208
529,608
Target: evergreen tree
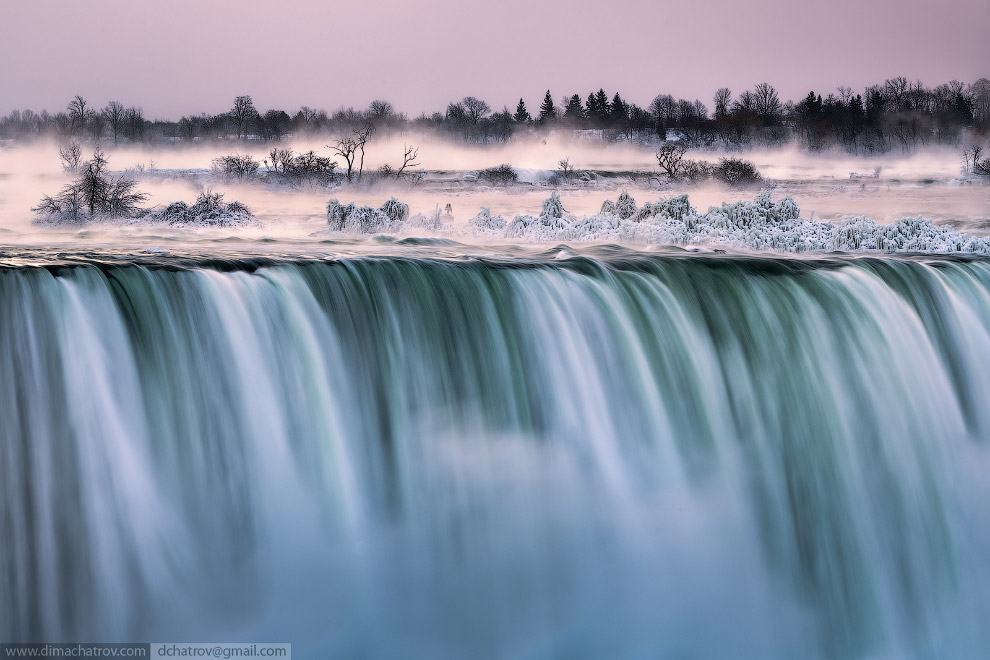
573,110
591,110
857,115
522,114
548,111
604,108
620,111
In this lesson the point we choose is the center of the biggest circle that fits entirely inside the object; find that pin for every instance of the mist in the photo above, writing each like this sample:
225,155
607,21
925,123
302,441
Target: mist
923,183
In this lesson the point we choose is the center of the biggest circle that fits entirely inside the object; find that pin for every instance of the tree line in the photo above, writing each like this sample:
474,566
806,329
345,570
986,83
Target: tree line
897,114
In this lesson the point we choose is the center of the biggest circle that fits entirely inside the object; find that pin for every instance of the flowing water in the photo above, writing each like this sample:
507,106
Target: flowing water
635,456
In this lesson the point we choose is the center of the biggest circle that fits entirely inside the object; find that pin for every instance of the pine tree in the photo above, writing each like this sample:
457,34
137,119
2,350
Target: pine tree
548,112
603,105
591,109
522,114
573,110
620,111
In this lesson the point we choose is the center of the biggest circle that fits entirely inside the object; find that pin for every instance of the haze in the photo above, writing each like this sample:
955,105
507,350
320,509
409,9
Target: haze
187,56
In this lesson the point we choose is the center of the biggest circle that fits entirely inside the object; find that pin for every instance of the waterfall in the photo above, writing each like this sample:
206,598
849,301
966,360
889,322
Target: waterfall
638,457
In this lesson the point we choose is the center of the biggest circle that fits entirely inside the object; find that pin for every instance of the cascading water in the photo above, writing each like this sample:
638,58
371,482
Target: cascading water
632,458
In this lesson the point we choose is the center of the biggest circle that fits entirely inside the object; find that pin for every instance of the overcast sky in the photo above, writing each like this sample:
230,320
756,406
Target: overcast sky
177,57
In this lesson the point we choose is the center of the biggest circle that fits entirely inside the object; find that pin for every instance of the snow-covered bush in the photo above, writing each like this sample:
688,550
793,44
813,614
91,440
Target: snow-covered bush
541,228
209,210
675,208
365,219
855,234
485,222
761,224
553,207
395,210
337,214
625,206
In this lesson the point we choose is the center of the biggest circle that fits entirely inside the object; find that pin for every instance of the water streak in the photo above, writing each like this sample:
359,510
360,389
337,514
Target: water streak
631,458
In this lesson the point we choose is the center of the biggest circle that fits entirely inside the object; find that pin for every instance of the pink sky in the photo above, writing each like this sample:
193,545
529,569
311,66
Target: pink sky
184,56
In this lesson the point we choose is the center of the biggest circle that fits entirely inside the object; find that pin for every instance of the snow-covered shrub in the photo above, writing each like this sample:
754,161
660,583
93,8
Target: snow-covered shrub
486,222
761,224
395,210
608,206
553,207
365,219
625,206
855,234
432,222
542,228
174,212
337,214
209,209
676,208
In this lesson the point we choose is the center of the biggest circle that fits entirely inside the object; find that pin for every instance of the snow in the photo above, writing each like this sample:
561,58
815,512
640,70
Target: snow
758,225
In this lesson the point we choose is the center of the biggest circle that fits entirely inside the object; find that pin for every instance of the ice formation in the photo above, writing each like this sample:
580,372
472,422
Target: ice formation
758,225
761,224
208,210
365,219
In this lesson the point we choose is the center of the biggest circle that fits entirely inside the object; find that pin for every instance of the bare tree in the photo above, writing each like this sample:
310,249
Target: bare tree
347,149
971,157
361,138
670,157
766,101
96,126
114,115
475,108
566,169
895,90
71,155
380,109
242,113
979,93
663,108
281,157
78,114
408,159
134,123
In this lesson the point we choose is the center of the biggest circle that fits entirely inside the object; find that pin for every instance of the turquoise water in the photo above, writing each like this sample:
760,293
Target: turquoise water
627,457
